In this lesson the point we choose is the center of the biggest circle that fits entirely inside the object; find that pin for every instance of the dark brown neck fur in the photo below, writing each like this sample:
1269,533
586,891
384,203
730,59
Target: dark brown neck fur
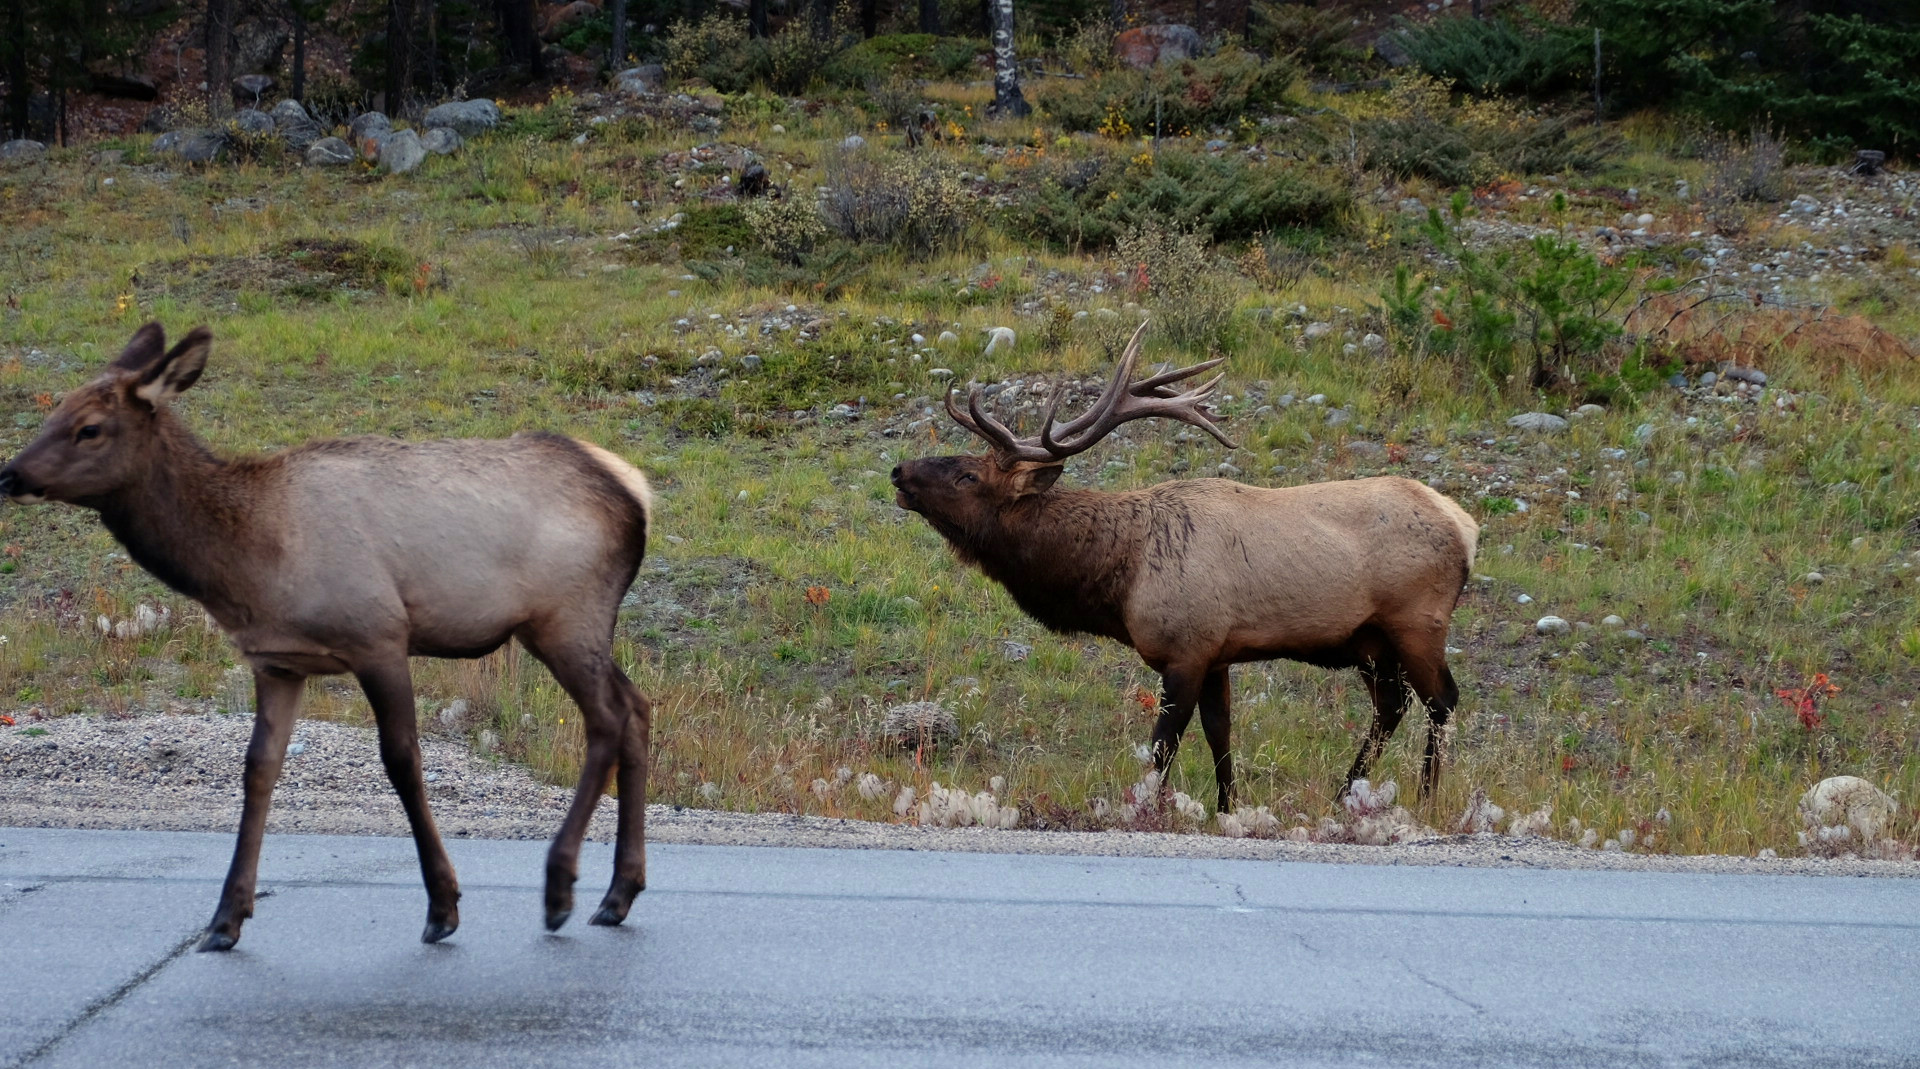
1066,556
190,519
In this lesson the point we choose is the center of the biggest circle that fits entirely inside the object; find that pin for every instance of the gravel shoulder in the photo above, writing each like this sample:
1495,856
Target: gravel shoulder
182,773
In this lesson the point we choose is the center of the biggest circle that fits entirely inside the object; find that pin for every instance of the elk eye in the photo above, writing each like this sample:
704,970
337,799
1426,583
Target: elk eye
965,478
91,430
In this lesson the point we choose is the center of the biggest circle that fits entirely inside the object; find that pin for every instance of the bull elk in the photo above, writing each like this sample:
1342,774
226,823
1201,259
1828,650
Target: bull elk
349,556
1202,574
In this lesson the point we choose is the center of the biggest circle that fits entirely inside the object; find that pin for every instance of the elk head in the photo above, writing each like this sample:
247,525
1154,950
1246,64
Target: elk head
95,442
963,495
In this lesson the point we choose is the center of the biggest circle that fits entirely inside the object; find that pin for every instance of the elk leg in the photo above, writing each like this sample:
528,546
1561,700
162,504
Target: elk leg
276,705
1216,719
630,845
1433,681
1387,686
389,690
1180,690
588,678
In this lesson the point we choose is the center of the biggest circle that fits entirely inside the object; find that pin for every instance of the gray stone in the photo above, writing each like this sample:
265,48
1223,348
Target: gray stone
1589,410
1552,625
1364,448
300,136
329,152
1752,376
1338,416
1543,422
1815,578
1677,381
442,141
1708,380
1317,330
367,124
1612,621
22,149
401,152
250,121
1146,46
853,142
917,724
1015,651
193,146
289,111
465,117
1392,50
641,81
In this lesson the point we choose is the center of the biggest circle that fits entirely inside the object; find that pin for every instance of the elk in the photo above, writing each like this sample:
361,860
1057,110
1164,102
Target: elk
1198,575
352,554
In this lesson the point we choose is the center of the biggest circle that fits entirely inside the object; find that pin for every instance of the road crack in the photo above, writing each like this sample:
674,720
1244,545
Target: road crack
105,1002
1440,987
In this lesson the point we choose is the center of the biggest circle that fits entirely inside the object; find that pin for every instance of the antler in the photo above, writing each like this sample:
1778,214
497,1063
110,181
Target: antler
1118,403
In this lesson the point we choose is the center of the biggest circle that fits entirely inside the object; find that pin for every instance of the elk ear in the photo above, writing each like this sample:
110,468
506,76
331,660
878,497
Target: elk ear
148,343
168,377
1037,479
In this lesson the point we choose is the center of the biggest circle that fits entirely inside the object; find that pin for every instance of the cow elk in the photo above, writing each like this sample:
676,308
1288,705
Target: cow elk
349,556
1202,574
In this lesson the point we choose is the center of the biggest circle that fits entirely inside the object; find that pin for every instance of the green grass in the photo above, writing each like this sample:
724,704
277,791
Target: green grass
486,295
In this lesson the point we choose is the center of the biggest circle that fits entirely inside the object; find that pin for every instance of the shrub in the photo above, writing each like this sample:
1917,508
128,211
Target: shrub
1420,132
787,227
1088,47
1499,55
1174,273
915,201
1754,170
715,50
1316,37
790,60
1184,98
1090,203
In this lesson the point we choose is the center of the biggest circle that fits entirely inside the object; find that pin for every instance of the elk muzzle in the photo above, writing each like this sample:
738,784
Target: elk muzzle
15,488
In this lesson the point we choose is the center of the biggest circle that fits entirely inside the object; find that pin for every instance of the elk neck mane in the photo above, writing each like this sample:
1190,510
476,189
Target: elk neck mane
1067,557
191,517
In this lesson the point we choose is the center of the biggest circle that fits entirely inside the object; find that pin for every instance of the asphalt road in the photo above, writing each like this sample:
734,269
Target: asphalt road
761,956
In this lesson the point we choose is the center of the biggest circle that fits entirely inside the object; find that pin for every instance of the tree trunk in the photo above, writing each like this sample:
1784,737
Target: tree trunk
869,18
522,44
14,122
619,49
410,53
930,16
1008,103
820,19
299,90
219,57
757,18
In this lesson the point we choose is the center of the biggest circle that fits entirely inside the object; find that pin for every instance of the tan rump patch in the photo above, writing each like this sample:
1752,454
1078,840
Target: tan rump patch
628,475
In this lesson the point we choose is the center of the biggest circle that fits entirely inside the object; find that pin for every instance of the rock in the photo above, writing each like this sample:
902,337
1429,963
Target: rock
1317,330
1707,380
1552,625
946,337
999,338
248,87
561,21
1015,651
401,152
1542,422
1867,162
1228,471
641,81
367,124
1589,410
22,149
1612,621
917,724
1145,46
329,152
1337,417
1815,579
1373,342
442,141
468,118
300,136
195,146
853,143
1677,381
1392,50
250,121
1751,376
1849,802
1364,448
751,361
1217,145
289,111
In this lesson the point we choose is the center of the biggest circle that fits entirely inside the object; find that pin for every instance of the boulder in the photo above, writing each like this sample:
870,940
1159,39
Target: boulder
401,151
1144,46
300,136
193,146
1543,422
366,125
248,87
22,149
329,152
248,120
917,724
1392,50
441,141
464,117
1848,802
289,111
641,81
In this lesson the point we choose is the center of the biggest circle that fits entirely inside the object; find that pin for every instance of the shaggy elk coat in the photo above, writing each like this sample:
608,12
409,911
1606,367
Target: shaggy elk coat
1202,574
349,556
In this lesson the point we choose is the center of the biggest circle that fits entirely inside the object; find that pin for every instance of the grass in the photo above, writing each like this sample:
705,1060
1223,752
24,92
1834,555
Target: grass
487,294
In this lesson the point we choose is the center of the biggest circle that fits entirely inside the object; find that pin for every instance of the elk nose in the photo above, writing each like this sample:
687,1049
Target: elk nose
896,476
8,481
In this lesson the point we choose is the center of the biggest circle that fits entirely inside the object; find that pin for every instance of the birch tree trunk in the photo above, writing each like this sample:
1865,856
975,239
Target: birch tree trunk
219,57
930,16
1008,103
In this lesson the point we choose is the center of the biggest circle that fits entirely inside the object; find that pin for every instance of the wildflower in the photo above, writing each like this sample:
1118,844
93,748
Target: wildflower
818,595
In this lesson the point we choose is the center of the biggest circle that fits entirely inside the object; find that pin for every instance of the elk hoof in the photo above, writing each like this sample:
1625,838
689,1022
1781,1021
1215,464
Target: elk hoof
609,916
215,939
438,930
558,917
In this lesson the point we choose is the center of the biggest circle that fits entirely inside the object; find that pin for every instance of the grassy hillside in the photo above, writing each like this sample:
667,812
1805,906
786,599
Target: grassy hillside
600,279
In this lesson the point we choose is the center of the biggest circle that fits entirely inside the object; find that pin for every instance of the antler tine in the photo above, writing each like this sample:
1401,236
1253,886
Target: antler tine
1153,385
1185,407
1116,389
998,437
